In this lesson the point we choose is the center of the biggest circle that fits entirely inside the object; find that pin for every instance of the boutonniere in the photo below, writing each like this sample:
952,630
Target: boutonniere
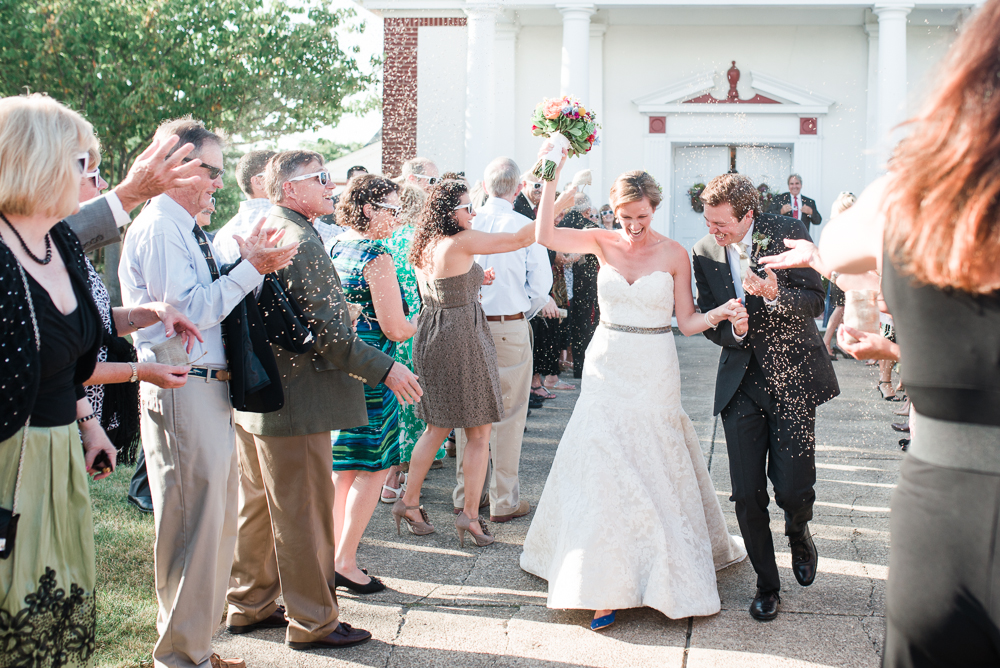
761,240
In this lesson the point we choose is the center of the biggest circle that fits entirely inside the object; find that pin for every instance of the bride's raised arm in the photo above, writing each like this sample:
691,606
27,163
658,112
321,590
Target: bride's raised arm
688,320
562,239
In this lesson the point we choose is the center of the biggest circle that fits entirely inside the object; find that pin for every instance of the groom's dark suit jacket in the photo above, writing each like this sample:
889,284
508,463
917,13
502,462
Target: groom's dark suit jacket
785,341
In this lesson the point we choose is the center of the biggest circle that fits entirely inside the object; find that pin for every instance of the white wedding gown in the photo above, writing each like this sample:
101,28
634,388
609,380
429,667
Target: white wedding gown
629,516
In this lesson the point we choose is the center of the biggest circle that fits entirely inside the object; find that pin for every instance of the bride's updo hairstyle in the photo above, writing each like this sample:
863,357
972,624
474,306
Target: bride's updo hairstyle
437,218
634,186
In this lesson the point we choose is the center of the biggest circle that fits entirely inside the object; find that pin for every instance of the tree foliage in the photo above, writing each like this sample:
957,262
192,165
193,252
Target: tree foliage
256,70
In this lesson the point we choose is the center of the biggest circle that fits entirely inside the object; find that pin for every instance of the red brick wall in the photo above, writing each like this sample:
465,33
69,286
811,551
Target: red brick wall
399,89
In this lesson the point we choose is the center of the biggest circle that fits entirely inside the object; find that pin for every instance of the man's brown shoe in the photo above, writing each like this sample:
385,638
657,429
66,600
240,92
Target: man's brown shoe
523,509
343,636
275,620
217,661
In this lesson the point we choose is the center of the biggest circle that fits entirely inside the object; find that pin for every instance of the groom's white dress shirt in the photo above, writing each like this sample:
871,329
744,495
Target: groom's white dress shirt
733,255
523,277
162,262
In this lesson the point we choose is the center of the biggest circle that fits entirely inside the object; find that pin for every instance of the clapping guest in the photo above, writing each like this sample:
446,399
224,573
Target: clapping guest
368,209
285,545
250,179
50,439
454,352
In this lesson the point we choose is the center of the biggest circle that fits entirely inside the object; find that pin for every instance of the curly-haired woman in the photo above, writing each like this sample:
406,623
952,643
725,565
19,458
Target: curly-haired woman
453,351
368,209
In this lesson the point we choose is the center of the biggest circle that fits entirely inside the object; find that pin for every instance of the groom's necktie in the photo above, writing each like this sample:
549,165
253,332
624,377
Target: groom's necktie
741,250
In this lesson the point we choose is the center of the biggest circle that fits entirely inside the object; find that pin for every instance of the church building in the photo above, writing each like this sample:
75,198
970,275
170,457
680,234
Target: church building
685,90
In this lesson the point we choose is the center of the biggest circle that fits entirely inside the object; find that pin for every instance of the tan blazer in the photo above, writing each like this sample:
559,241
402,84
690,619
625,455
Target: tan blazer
323,387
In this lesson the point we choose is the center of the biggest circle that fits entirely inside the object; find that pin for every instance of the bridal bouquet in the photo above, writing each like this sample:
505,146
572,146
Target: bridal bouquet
568,125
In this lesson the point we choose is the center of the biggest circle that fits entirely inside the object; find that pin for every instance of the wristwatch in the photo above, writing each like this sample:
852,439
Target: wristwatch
135,372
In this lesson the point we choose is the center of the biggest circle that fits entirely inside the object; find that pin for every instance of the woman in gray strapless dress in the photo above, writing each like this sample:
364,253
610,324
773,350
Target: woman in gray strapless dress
453,352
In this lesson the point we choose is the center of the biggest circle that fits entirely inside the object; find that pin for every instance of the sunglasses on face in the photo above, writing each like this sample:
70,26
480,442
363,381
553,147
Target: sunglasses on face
536,186
96,176
324,177
431,180
466,206
608,213
393,208
83,162
213,172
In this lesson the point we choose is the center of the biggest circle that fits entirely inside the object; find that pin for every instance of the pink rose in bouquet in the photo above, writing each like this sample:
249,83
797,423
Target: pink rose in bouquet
552,109
569,125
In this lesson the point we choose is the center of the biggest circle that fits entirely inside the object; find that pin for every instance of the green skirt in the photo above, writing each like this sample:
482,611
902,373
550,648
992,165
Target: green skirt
410,426
47,613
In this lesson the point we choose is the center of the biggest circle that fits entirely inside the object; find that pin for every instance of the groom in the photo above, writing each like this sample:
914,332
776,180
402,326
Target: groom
773,372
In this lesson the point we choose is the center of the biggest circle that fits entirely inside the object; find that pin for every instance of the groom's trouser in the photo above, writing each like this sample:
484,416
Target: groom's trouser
769,438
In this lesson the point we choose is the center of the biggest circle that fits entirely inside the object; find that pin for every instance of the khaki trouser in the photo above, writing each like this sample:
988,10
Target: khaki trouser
285,539
187,437
513,343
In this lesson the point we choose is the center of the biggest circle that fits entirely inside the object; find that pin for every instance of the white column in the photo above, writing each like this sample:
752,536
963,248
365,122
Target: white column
891,72
598,191
575,76
479,91
871,125
507,122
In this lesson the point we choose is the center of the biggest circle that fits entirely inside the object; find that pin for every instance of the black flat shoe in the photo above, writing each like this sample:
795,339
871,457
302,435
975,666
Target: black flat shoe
143,503
804,557
373,586
904,443
765,606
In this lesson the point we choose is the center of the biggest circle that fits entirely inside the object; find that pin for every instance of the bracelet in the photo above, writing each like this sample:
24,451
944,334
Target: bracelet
708,321
129,318
833,277
135,372
84,419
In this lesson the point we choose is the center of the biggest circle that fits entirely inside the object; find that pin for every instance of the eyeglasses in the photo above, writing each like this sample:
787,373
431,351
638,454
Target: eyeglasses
96,176
536,186
431,180
213,172
468,206
83,161
261,175
607,213
394,208
323,176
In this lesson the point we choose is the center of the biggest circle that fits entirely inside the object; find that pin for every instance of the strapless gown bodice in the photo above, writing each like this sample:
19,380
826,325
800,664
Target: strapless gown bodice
649,302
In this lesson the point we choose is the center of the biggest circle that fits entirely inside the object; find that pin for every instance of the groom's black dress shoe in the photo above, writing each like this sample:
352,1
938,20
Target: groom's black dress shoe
804,557
765,606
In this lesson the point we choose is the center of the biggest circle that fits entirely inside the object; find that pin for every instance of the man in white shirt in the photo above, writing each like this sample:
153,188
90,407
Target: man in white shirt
187,433
250,177
795,205
520,289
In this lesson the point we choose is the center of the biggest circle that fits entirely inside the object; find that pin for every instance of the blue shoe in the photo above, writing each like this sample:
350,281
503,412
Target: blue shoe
603,622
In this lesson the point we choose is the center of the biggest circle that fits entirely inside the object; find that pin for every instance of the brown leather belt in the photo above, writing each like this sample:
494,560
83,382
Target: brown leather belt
502,318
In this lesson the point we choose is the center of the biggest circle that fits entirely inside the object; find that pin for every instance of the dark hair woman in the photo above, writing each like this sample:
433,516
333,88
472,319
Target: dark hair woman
931,226
453,351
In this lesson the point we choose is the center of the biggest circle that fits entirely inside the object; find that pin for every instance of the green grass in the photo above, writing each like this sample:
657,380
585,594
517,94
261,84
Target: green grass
126,596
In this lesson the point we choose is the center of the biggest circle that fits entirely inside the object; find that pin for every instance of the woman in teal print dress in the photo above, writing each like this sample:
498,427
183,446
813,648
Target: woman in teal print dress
410,426
368,209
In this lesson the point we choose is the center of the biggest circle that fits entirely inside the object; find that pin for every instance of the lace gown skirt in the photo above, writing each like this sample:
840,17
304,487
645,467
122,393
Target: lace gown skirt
629,516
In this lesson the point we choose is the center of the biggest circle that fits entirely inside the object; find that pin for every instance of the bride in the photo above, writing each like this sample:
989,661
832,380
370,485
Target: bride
629,516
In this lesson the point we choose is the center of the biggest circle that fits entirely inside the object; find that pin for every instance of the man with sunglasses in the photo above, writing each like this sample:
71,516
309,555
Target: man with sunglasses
250,179
187,433
421,172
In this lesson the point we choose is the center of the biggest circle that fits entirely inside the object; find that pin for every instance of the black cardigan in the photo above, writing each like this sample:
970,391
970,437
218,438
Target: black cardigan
21,372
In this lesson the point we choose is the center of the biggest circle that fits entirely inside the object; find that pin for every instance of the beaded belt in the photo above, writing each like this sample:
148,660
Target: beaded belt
636,330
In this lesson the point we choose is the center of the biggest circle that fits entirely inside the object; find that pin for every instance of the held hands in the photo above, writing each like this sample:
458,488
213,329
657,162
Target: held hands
735,312
489,276
403,384
175,322
868,347
259,249
153,173
766,288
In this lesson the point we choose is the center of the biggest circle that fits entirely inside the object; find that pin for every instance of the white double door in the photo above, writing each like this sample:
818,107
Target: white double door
700,164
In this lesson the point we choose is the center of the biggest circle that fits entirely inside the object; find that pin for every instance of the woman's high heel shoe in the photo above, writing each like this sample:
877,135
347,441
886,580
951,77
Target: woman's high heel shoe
417,528
603,622
462,524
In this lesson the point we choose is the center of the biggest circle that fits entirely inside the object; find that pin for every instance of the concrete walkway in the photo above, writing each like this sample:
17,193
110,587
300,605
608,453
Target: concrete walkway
447,606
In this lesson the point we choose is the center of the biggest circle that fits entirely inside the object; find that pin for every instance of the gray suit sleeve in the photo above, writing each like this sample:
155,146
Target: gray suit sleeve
95,225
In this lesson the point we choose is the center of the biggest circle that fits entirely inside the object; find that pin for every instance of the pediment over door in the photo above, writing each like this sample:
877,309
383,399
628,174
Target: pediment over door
770,96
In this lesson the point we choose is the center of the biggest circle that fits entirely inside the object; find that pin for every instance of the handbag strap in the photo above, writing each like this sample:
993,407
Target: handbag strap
38,347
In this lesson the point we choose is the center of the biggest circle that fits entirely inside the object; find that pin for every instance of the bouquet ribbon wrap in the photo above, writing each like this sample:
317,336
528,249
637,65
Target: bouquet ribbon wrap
545,168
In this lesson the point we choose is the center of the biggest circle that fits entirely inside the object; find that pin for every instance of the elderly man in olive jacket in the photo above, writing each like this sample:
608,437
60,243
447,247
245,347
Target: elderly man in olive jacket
285,539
